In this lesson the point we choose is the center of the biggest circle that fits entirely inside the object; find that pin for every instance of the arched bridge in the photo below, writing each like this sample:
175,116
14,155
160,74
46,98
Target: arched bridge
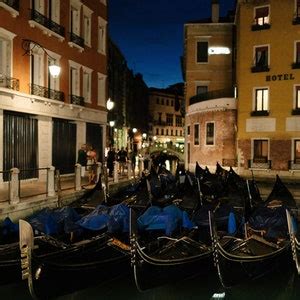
171,150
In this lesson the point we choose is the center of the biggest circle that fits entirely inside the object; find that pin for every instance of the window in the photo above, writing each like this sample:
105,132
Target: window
102,35
261,59
261,99
159,118
157,100
87,84
171,131
169,119
262,16
167,102
176,132
157,131
196,135
297,151
162,101
260,151
296,63
202,89
162,131
39,6
5,57
297,9
178,121
53,83
54,11
188,130
75,17
210,133
167,131
37,67
202,52
101,89
87,17
172,103
297,97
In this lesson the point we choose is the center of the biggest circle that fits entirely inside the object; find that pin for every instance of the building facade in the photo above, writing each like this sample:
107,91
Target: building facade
209,71
268,80
43,119
166,119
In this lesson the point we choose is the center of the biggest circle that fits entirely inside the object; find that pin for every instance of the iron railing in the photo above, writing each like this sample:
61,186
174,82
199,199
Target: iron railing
260,68
259,113
225,93
43,20
74,38
15,4
42,91
296,65
259,163
294,164
77,100
9,82
256,27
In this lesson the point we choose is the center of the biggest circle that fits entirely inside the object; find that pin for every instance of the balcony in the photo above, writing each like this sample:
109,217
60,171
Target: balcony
42,91
294,164
296,65
259,113
77,40
260,68
225,93
9,82
47,23
77,100
11,5
296,112
260,163
257,27
296,20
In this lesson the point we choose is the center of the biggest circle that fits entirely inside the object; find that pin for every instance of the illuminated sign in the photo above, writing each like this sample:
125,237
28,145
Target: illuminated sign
218,50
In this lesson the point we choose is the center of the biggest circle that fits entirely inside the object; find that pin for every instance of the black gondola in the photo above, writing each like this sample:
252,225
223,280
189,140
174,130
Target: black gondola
158,259
261,251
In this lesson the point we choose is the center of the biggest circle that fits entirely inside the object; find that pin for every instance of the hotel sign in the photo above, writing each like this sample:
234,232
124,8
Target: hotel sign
280,77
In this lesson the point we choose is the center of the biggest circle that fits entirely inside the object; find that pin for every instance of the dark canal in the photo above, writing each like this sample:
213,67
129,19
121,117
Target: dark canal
278,287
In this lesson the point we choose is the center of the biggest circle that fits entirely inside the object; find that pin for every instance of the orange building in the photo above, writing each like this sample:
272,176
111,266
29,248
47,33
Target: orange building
44,119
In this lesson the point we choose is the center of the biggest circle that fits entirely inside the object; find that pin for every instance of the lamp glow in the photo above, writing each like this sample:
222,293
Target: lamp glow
111,123
134,130
218,50
110,104
54,70
144,135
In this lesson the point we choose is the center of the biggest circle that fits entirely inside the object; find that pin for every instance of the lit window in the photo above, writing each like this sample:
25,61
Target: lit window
210,133
196,135
169,119
202,52
297,151
297,94
262,15
261,99
260,151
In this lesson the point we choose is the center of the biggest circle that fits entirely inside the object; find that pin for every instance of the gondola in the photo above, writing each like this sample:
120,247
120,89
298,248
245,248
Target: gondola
102,255
10,266
159,259
265,246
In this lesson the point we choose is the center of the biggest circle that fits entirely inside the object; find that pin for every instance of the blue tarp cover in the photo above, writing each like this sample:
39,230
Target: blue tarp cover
115,218
168,219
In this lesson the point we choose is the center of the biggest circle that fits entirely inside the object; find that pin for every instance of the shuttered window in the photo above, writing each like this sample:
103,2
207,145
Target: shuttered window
262,15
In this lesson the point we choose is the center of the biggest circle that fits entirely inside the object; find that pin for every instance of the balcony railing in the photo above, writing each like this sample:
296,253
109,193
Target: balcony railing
259,163
9,82
160,123
15,4
41,19
225,93
294,164
296,65
77,100
260,68
74,38
42,91
256,27
259,113
296,112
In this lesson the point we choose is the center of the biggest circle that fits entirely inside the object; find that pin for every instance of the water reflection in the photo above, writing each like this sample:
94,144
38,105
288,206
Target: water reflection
280,286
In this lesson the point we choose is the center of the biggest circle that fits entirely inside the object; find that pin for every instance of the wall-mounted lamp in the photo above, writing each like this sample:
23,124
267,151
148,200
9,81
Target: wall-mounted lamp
110,104
134,130
111,123
29,45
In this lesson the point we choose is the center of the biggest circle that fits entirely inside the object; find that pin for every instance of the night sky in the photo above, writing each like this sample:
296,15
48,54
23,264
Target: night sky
150,34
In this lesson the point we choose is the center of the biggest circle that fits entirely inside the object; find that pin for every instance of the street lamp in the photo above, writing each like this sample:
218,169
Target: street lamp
110,104
111,123
29,45
134,130
144,135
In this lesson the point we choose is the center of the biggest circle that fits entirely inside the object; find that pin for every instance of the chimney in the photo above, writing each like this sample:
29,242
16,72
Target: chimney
215,10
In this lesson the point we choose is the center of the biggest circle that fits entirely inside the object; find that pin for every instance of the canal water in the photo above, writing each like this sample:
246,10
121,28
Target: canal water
281,286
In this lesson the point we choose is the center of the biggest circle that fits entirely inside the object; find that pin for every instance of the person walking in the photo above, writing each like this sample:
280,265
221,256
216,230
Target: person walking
92,159
122,157
111,157
82,159
133,161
